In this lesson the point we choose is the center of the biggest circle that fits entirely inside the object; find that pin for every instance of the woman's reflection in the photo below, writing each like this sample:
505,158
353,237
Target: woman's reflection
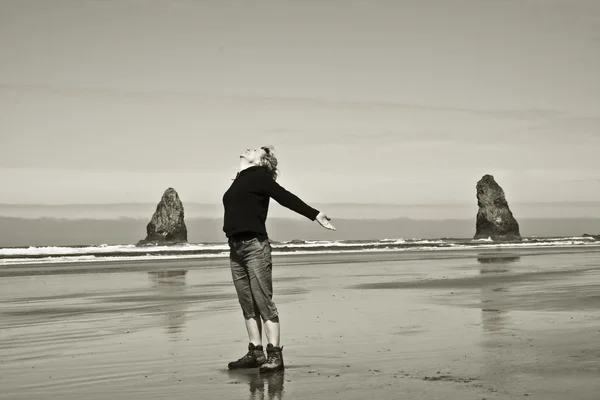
257,381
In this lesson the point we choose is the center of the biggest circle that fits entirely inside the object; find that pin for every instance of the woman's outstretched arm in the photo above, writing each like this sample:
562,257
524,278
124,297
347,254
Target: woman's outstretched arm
293,202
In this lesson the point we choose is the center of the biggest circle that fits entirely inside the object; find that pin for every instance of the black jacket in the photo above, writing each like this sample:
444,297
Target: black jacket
246,202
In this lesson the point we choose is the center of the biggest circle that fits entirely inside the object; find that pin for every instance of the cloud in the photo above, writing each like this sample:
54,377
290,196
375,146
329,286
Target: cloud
107,92
570,127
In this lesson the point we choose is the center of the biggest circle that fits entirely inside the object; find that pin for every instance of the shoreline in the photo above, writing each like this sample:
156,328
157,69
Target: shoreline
107,265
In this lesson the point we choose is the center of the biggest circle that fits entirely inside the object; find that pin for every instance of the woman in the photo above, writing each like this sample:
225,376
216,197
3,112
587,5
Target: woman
246,205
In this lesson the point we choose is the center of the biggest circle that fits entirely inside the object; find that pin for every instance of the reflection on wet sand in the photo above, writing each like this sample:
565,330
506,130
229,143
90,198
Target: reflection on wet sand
171,285
504,259
492,314
256,383
494,317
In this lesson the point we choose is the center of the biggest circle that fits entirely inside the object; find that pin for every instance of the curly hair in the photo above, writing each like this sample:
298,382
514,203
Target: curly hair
269,161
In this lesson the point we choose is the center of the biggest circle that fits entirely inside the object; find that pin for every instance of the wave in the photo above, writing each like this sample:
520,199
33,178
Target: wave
128,252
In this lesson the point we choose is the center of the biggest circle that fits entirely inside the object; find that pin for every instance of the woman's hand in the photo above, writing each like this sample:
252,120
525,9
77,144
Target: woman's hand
323,219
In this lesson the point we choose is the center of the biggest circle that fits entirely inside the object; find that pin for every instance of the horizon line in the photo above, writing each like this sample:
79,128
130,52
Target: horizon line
337,203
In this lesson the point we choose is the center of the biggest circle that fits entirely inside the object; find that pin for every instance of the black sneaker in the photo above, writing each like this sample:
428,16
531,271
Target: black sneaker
253,359
274,359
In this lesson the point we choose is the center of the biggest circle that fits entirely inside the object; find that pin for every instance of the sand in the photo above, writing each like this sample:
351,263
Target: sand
429,325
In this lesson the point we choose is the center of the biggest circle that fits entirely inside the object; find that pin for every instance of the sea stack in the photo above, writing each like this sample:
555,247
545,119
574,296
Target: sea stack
167,225
494,218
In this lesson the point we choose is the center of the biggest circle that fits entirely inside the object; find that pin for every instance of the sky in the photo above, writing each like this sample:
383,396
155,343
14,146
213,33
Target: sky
401,102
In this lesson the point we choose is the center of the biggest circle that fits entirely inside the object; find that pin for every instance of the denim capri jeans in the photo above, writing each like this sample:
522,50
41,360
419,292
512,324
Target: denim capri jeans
251,270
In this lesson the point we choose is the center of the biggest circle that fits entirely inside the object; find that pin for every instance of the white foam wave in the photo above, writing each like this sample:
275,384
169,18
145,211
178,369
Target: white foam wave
426,241
335,243
104,249
87,258
91,258
158,257
559,239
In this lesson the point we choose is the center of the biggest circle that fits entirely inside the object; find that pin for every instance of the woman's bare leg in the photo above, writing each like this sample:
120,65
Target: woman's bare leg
254,328
272,330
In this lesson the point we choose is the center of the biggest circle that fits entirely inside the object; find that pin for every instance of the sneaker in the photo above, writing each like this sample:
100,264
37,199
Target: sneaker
253,359
274,359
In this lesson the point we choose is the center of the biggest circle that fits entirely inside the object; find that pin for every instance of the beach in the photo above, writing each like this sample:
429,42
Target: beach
468,324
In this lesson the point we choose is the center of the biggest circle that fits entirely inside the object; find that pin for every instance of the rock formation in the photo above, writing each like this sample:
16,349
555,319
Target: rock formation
494,218
167,225
587,235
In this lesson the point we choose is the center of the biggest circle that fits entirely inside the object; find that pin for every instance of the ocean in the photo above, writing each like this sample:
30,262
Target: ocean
129,252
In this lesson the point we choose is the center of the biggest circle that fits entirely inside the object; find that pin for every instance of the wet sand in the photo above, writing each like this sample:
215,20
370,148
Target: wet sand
438,325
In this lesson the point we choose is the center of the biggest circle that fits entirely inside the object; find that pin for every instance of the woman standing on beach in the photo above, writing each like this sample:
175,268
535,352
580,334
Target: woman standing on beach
246,205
